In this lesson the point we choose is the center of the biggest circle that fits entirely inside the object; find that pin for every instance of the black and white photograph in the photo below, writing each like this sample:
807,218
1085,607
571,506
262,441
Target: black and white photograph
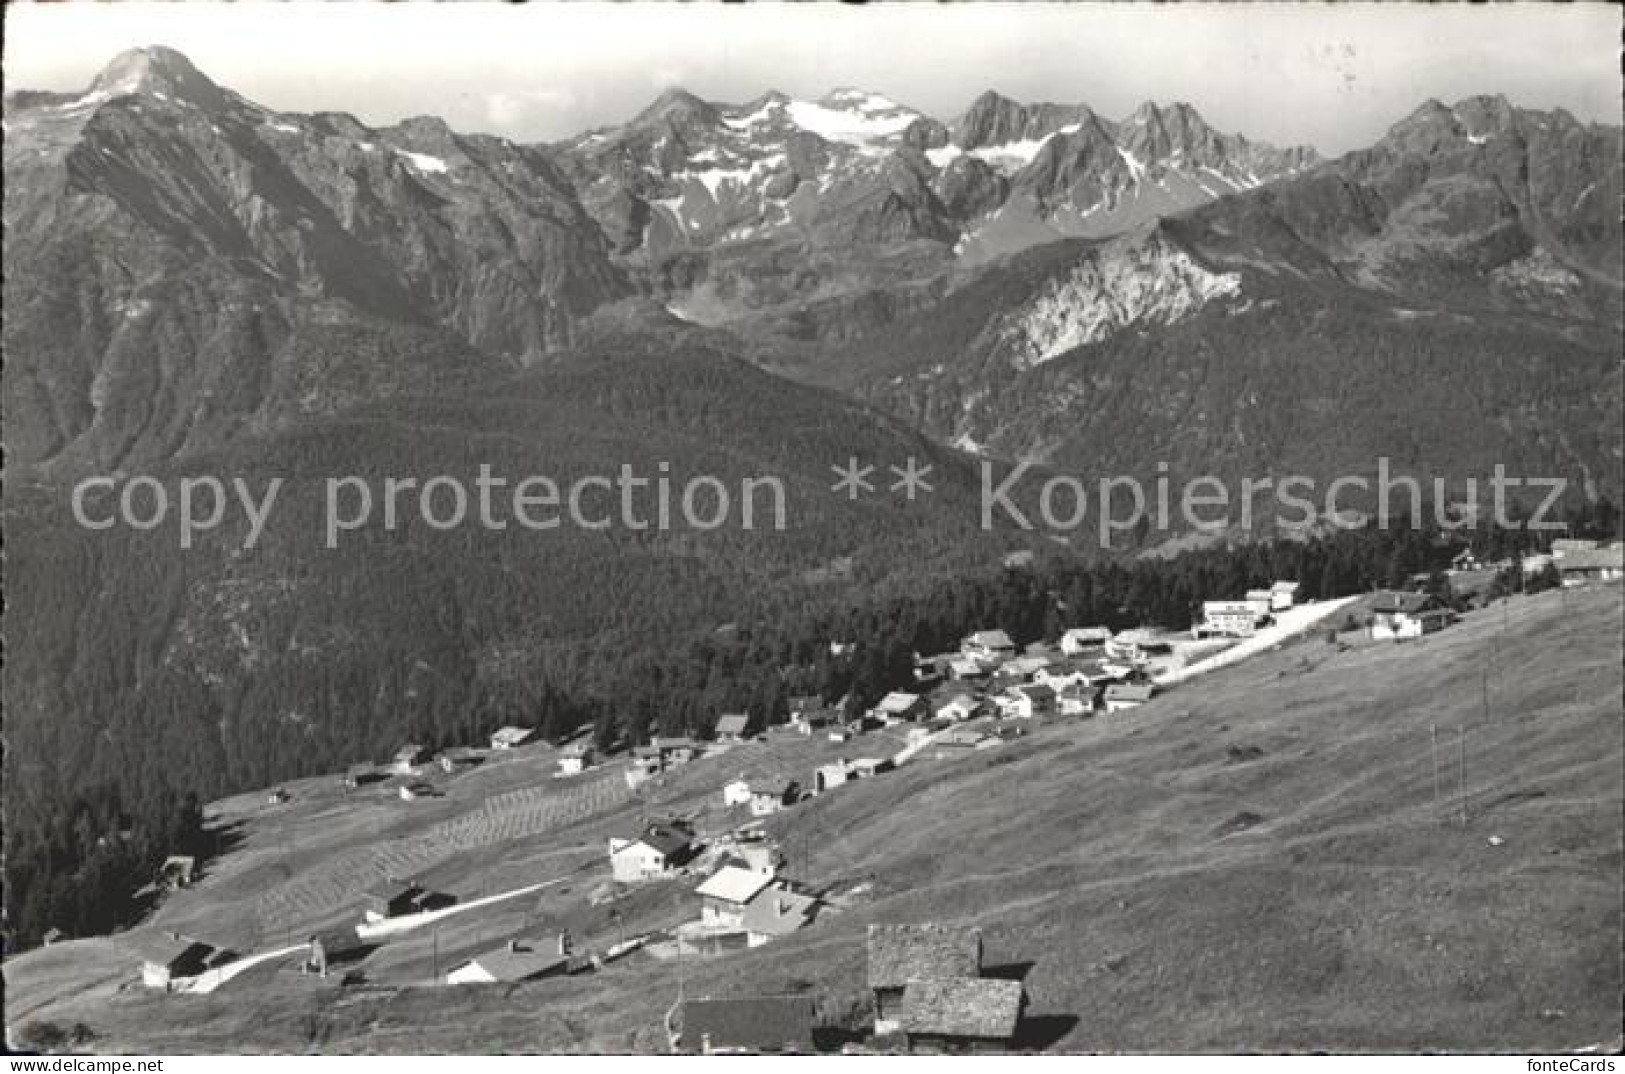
812,529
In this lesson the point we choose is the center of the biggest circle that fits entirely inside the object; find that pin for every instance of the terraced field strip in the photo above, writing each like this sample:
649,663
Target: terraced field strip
502,818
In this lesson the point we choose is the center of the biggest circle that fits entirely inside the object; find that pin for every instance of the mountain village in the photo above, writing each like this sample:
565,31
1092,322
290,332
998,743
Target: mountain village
732,884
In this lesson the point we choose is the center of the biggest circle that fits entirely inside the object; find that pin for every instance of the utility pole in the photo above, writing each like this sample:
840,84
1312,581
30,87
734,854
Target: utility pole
1433,752
1463,734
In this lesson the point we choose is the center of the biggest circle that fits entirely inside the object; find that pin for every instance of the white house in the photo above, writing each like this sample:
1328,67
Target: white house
1083,639
1407,615
1228,618
736,793
1283,595
506,738
652,853
724,896
959,707
1261,600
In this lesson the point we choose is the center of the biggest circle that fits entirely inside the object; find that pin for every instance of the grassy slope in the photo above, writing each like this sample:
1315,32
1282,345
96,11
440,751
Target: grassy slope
1351,914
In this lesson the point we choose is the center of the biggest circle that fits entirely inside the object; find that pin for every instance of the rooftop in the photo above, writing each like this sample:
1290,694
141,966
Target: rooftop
757,1023
778,912
900,953
962,1007
733,884
733,724
521,959
1390,602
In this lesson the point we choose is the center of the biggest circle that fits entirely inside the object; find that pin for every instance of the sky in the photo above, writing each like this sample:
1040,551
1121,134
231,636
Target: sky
1335,77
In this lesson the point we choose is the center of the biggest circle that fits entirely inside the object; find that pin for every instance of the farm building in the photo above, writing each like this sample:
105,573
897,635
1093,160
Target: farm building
1127,695
1408,615
177,871
507,738
1564,547
644,764
800,703
960,1014
1283,595
771,795
988,646
1584,567
517,960
899,954
395,898
456,759
675,751
830,776
168,958
408,758
898,705
1084,639
731,728
809,720
332,947
575,759
1031,700
653,852
747,1026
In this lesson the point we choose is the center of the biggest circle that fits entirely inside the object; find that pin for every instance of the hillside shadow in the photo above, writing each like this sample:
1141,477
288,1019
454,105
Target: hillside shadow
1009,971
1043,1031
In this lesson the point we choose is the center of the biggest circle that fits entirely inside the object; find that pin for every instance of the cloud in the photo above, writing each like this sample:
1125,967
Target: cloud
513,109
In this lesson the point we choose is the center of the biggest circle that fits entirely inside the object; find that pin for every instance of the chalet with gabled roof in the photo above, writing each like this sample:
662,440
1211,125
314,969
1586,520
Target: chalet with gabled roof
960,1015
1396,615
899,954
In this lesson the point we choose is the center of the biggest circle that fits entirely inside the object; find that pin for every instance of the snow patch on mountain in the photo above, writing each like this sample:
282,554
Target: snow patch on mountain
858,126
423,162
1112,288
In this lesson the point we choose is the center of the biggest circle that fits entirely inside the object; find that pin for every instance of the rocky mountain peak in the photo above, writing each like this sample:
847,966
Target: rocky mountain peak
157,71
679,106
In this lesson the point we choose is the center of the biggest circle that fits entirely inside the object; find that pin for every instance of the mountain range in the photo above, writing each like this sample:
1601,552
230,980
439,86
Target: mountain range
200,268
